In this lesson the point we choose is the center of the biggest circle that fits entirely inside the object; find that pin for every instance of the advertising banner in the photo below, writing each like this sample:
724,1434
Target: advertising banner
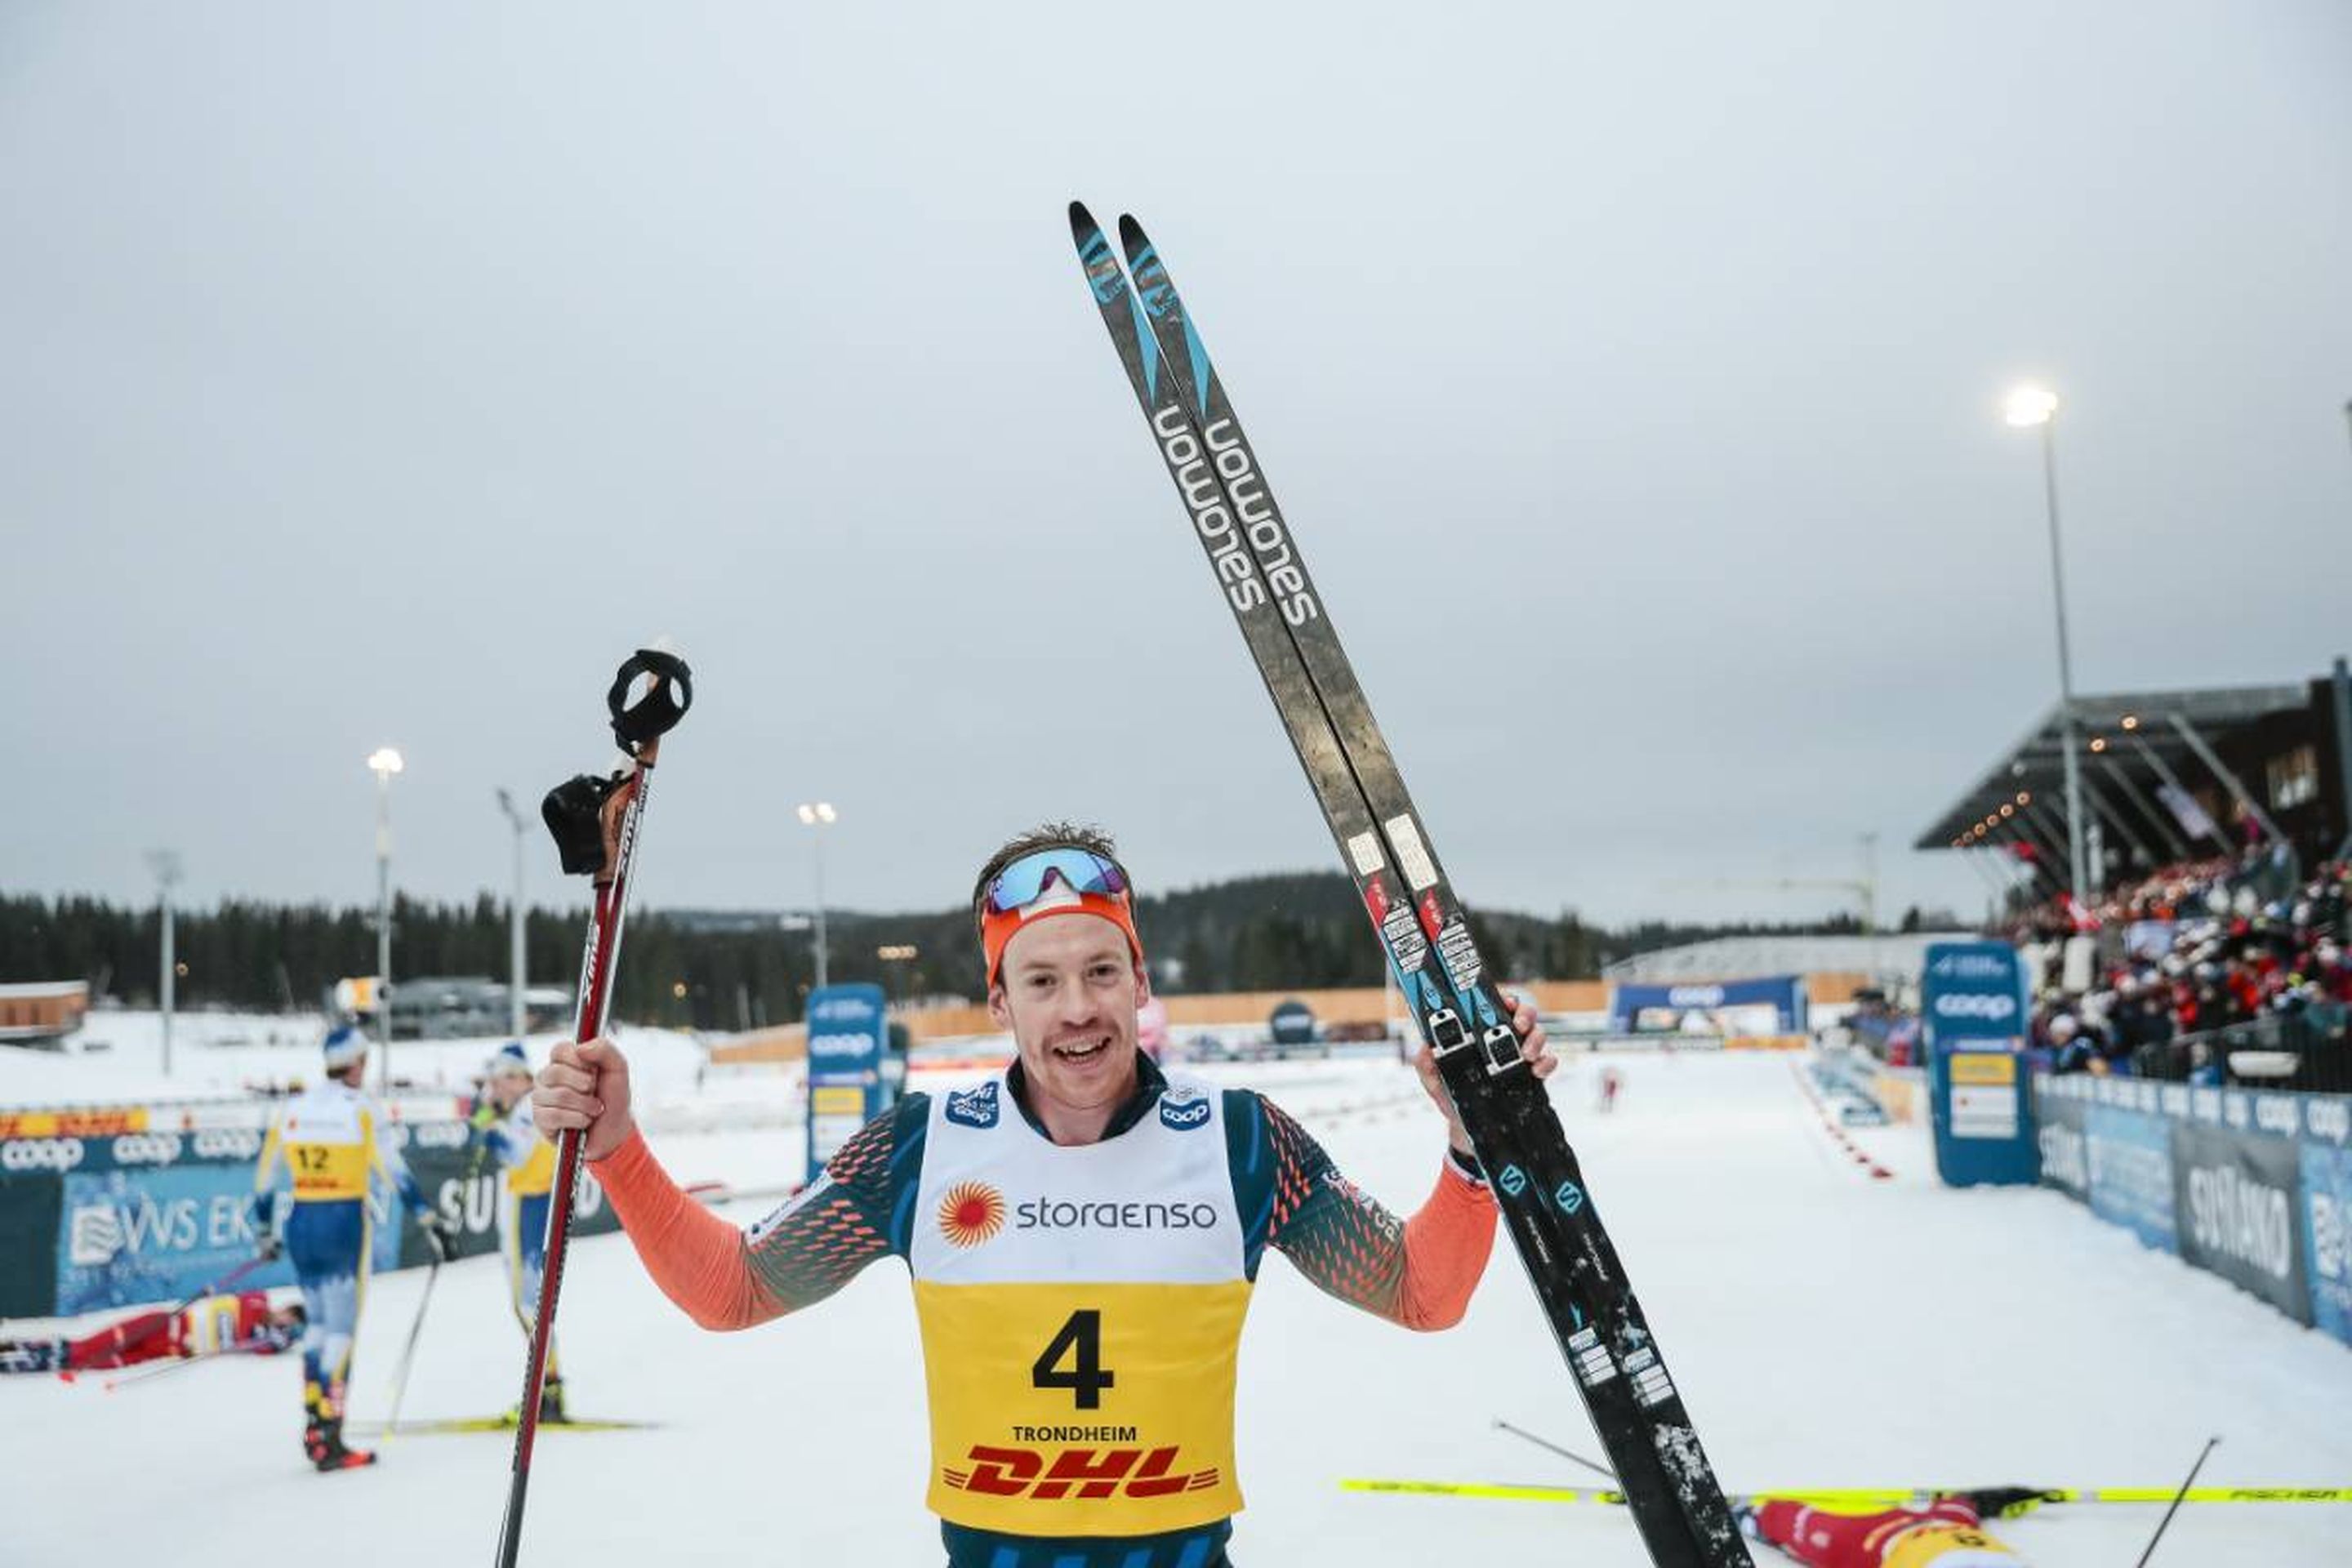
2236,1197
2129,1156
1982,1117
467,1188
845,1036
2327,1236
149,1150
2065,1147
29,1206
1972,1022
1784,993
158,1235
110,1218
1972,994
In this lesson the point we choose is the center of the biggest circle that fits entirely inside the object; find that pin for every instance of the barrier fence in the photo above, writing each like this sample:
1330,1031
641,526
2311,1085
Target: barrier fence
2309,1052
129,1217
2256,1187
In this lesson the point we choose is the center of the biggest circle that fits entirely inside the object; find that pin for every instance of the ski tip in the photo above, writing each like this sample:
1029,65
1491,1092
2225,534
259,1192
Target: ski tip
1132,234
1082,227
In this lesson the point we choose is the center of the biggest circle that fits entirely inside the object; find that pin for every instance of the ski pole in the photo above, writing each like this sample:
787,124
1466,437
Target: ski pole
595,824
2166,1520
134,1378
1598,1469
408,1353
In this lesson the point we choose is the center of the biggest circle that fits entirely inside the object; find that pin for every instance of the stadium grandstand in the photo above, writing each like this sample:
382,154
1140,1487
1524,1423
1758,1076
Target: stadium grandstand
1879,958
2208,944
2166,777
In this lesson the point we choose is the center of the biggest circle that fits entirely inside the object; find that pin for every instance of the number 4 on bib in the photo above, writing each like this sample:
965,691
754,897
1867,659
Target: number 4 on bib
1080,1338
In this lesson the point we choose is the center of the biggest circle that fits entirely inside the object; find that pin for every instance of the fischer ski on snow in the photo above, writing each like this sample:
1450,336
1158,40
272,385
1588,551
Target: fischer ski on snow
2019,1500
1672,1492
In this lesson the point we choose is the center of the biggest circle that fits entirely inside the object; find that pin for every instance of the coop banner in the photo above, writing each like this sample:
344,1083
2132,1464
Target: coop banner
1661,1007
846,1033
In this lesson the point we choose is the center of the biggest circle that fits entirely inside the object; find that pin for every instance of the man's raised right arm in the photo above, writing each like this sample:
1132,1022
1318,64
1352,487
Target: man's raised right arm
721,1277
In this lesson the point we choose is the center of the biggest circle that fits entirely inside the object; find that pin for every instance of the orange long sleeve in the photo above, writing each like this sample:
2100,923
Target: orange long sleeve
1446,1244
699,1259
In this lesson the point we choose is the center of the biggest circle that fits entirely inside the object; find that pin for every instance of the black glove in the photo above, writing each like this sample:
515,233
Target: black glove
440,1235
270,1248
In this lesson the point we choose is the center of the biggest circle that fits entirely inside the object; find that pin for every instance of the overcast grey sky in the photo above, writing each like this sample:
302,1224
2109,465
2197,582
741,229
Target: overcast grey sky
1630,375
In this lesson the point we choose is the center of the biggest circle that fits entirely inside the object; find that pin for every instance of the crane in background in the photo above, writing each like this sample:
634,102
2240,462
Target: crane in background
1864,888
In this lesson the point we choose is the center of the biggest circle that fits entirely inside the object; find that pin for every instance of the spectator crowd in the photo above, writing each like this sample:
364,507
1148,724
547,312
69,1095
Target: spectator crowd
2196,949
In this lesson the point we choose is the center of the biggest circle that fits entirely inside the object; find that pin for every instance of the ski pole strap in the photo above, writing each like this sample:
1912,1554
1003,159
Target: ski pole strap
658,708
574,813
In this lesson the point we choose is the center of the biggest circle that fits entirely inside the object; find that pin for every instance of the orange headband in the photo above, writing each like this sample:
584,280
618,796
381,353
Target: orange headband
997,928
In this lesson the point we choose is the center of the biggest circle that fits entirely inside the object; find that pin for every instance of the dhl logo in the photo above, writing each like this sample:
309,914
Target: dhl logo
1077,1472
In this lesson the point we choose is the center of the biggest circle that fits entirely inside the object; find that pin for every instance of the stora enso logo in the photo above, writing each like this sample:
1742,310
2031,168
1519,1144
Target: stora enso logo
971,1213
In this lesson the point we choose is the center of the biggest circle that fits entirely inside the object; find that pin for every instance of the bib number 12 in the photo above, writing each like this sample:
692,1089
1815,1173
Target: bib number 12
1079,1341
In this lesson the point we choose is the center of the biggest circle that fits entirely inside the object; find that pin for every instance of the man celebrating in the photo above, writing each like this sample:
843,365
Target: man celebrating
1083,1234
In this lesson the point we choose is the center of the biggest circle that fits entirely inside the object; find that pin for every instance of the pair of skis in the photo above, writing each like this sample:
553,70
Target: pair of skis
1671,1491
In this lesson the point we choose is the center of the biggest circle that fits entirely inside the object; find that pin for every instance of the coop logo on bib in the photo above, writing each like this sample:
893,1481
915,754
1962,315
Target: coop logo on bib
1185,1114
971,1213
973,1107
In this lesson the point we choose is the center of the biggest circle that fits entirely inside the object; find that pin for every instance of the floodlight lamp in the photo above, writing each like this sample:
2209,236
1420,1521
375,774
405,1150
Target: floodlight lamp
384,762
2029,406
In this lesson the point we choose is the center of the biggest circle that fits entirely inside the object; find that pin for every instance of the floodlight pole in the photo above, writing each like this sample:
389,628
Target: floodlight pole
165,864
516,958
383,763
2341,682
817,816
2081,886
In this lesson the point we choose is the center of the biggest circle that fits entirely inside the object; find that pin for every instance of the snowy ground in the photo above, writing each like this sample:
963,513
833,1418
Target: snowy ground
225,1057
1828,1330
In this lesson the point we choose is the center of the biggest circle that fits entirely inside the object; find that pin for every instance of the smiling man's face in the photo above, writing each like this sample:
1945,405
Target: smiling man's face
1069,989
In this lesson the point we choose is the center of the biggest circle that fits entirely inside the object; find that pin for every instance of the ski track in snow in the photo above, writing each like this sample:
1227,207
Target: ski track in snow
1826,1329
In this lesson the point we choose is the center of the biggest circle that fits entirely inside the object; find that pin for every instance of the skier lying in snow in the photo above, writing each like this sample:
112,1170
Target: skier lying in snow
1083,1234
243,1324
1947,1533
